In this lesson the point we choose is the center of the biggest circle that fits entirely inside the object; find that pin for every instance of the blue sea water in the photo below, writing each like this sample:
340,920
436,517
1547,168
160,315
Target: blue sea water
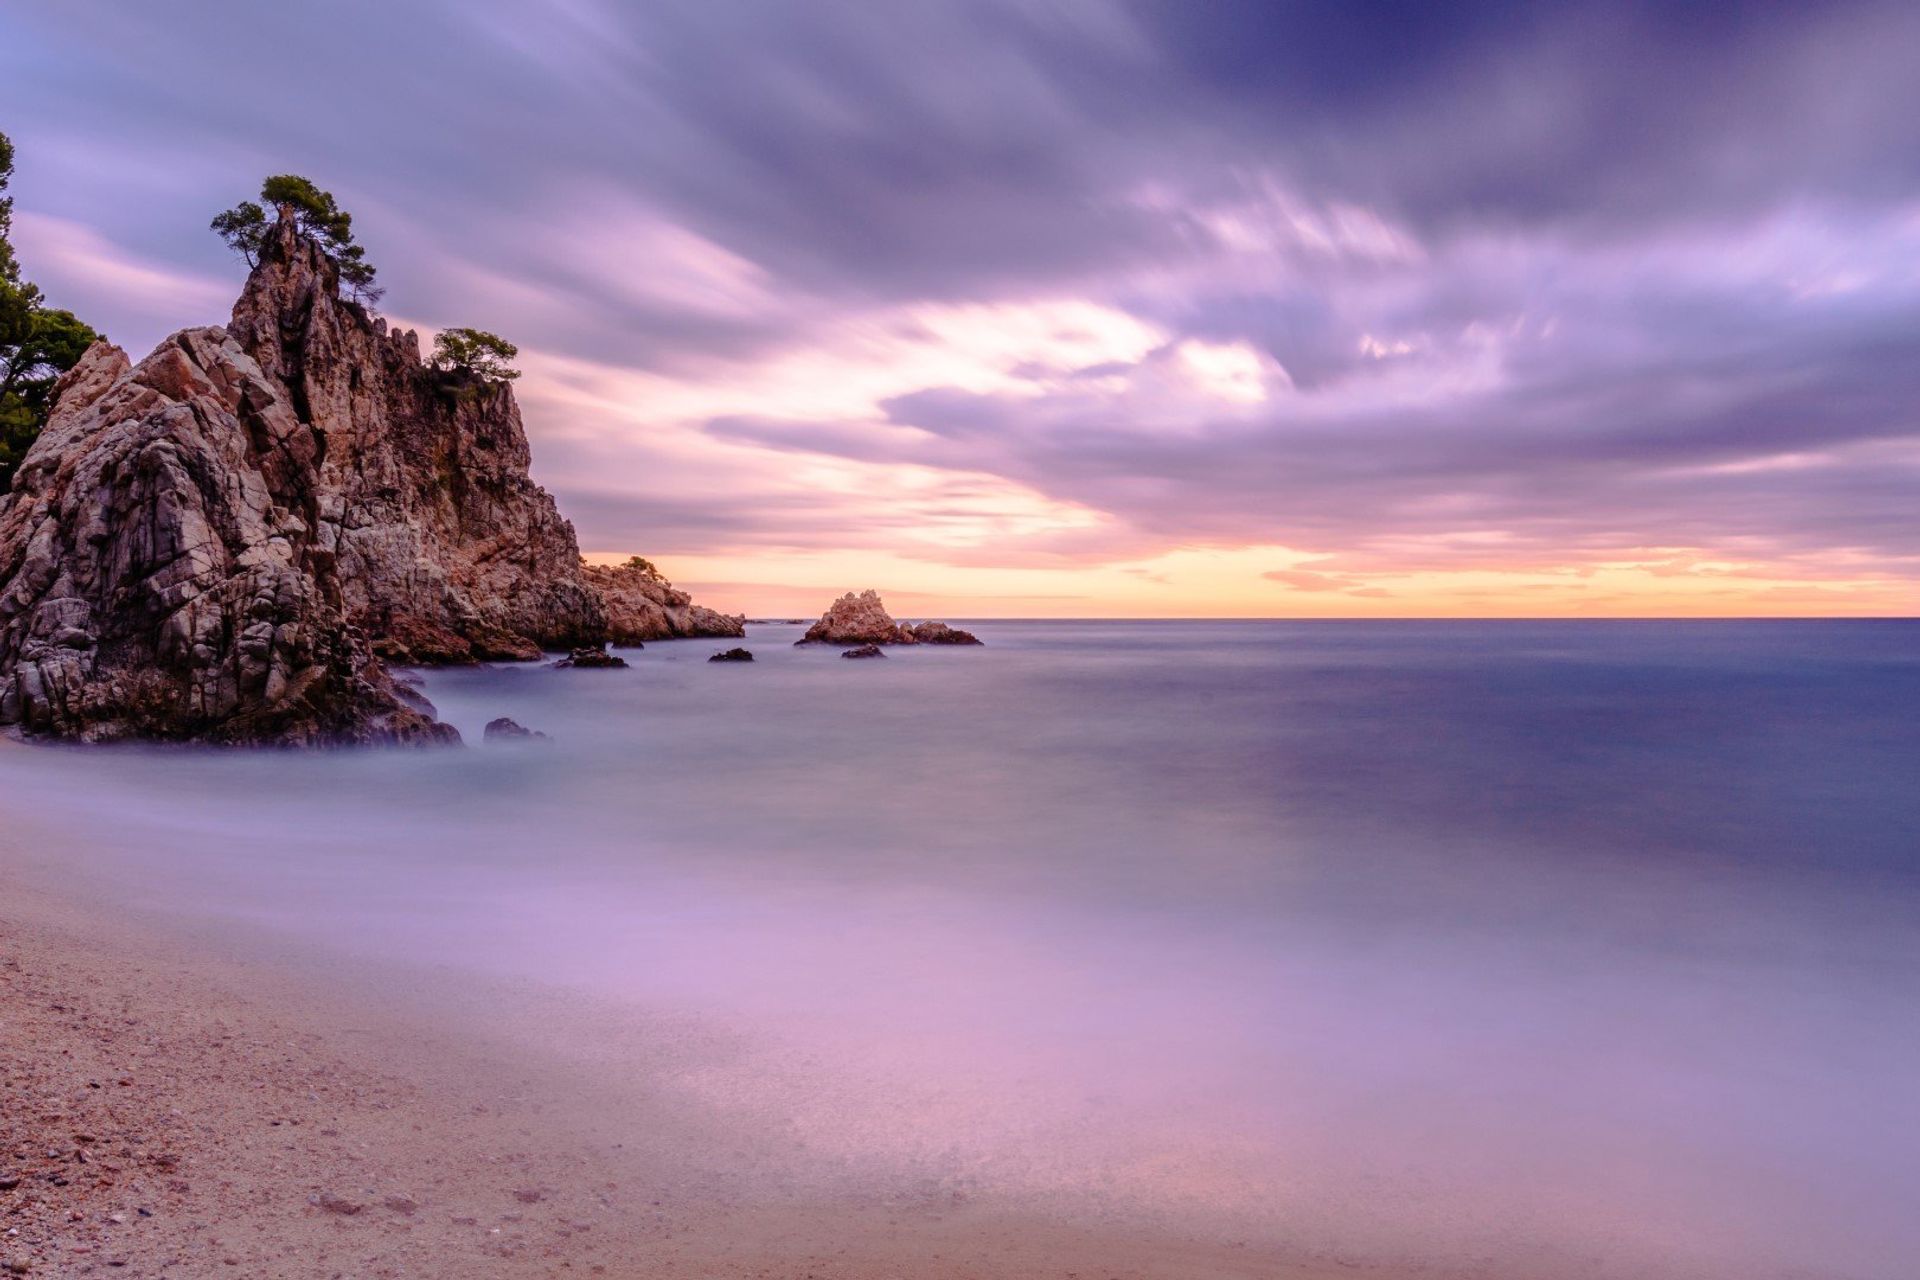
1586,946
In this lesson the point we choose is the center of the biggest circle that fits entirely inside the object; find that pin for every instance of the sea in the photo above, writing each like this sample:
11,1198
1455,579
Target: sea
1585,947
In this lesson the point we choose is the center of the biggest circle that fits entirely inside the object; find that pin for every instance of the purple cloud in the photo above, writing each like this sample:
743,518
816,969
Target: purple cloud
1406,287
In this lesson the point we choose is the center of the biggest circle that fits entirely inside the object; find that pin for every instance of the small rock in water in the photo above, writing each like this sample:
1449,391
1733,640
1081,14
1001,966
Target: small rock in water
863,619
732,655
857,619
865,651
506,730
591,658
941,633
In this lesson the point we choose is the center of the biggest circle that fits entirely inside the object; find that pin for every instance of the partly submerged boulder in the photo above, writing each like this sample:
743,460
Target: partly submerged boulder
862,619
506,729
592,656
941,633
865,651
857,619
732,655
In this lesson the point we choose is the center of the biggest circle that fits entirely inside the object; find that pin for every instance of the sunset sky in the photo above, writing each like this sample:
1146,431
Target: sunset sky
1182,309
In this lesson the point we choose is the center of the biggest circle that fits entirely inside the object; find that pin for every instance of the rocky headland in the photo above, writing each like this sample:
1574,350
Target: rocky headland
863,620
642,605
230,540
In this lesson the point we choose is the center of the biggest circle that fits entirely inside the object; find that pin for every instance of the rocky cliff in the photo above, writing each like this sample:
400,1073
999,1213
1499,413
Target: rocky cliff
222,542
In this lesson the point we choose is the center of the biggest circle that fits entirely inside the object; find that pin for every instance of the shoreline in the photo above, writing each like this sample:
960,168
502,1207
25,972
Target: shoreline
175,1108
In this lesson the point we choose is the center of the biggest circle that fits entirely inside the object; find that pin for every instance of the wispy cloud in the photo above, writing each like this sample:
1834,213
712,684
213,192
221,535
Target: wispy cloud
1190,308
80,269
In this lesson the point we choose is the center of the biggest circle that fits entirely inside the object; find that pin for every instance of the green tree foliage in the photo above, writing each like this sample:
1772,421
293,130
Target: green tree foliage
645,566
244,228
9,269
316,214
475,354
37,344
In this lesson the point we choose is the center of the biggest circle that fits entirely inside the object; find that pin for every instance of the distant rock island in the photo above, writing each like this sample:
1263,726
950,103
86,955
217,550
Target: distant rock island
229,541
863,620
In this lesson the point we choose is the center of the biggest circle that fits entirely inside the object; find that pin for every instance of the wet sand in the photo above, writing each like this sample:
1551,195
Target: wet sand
173,1108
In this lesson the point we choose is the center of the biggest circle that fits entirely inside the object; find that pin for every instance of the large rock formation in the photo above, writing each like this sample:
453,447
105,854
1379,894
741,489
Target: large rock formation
641,605
222,542
863,620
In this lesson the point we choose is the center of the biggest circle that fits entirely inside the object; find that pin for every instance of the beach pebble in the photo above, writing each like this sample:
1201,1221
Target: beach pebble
337,1204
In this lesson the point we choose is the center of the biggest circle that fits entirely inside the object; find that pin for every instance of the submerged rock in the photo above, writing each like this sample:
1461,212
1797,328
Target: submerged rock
865,651
941,633
863,619
732,655
507,730
592,657
224,542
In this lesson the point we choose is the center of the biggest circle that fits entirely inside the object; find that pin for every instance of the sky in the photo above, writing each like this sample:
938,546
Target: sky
1114,308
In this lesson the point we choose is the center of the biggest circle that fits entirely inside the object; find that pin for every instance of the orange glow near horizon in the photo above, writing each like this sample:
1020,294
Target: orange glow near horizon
1232,584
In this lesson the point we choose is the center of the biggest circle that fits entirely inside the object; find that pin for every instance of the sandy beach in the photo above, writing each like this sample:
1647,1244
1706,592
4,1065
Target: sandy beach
175,1110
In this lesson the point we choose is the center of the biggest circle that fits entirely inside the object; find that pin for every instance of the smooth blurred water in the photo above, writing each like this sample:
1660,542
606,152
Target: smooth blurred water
1590,945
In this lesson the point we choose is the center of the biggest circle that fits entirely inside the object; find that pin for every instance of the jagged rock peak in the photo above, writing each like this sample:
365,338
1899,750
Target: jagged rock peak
863,620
